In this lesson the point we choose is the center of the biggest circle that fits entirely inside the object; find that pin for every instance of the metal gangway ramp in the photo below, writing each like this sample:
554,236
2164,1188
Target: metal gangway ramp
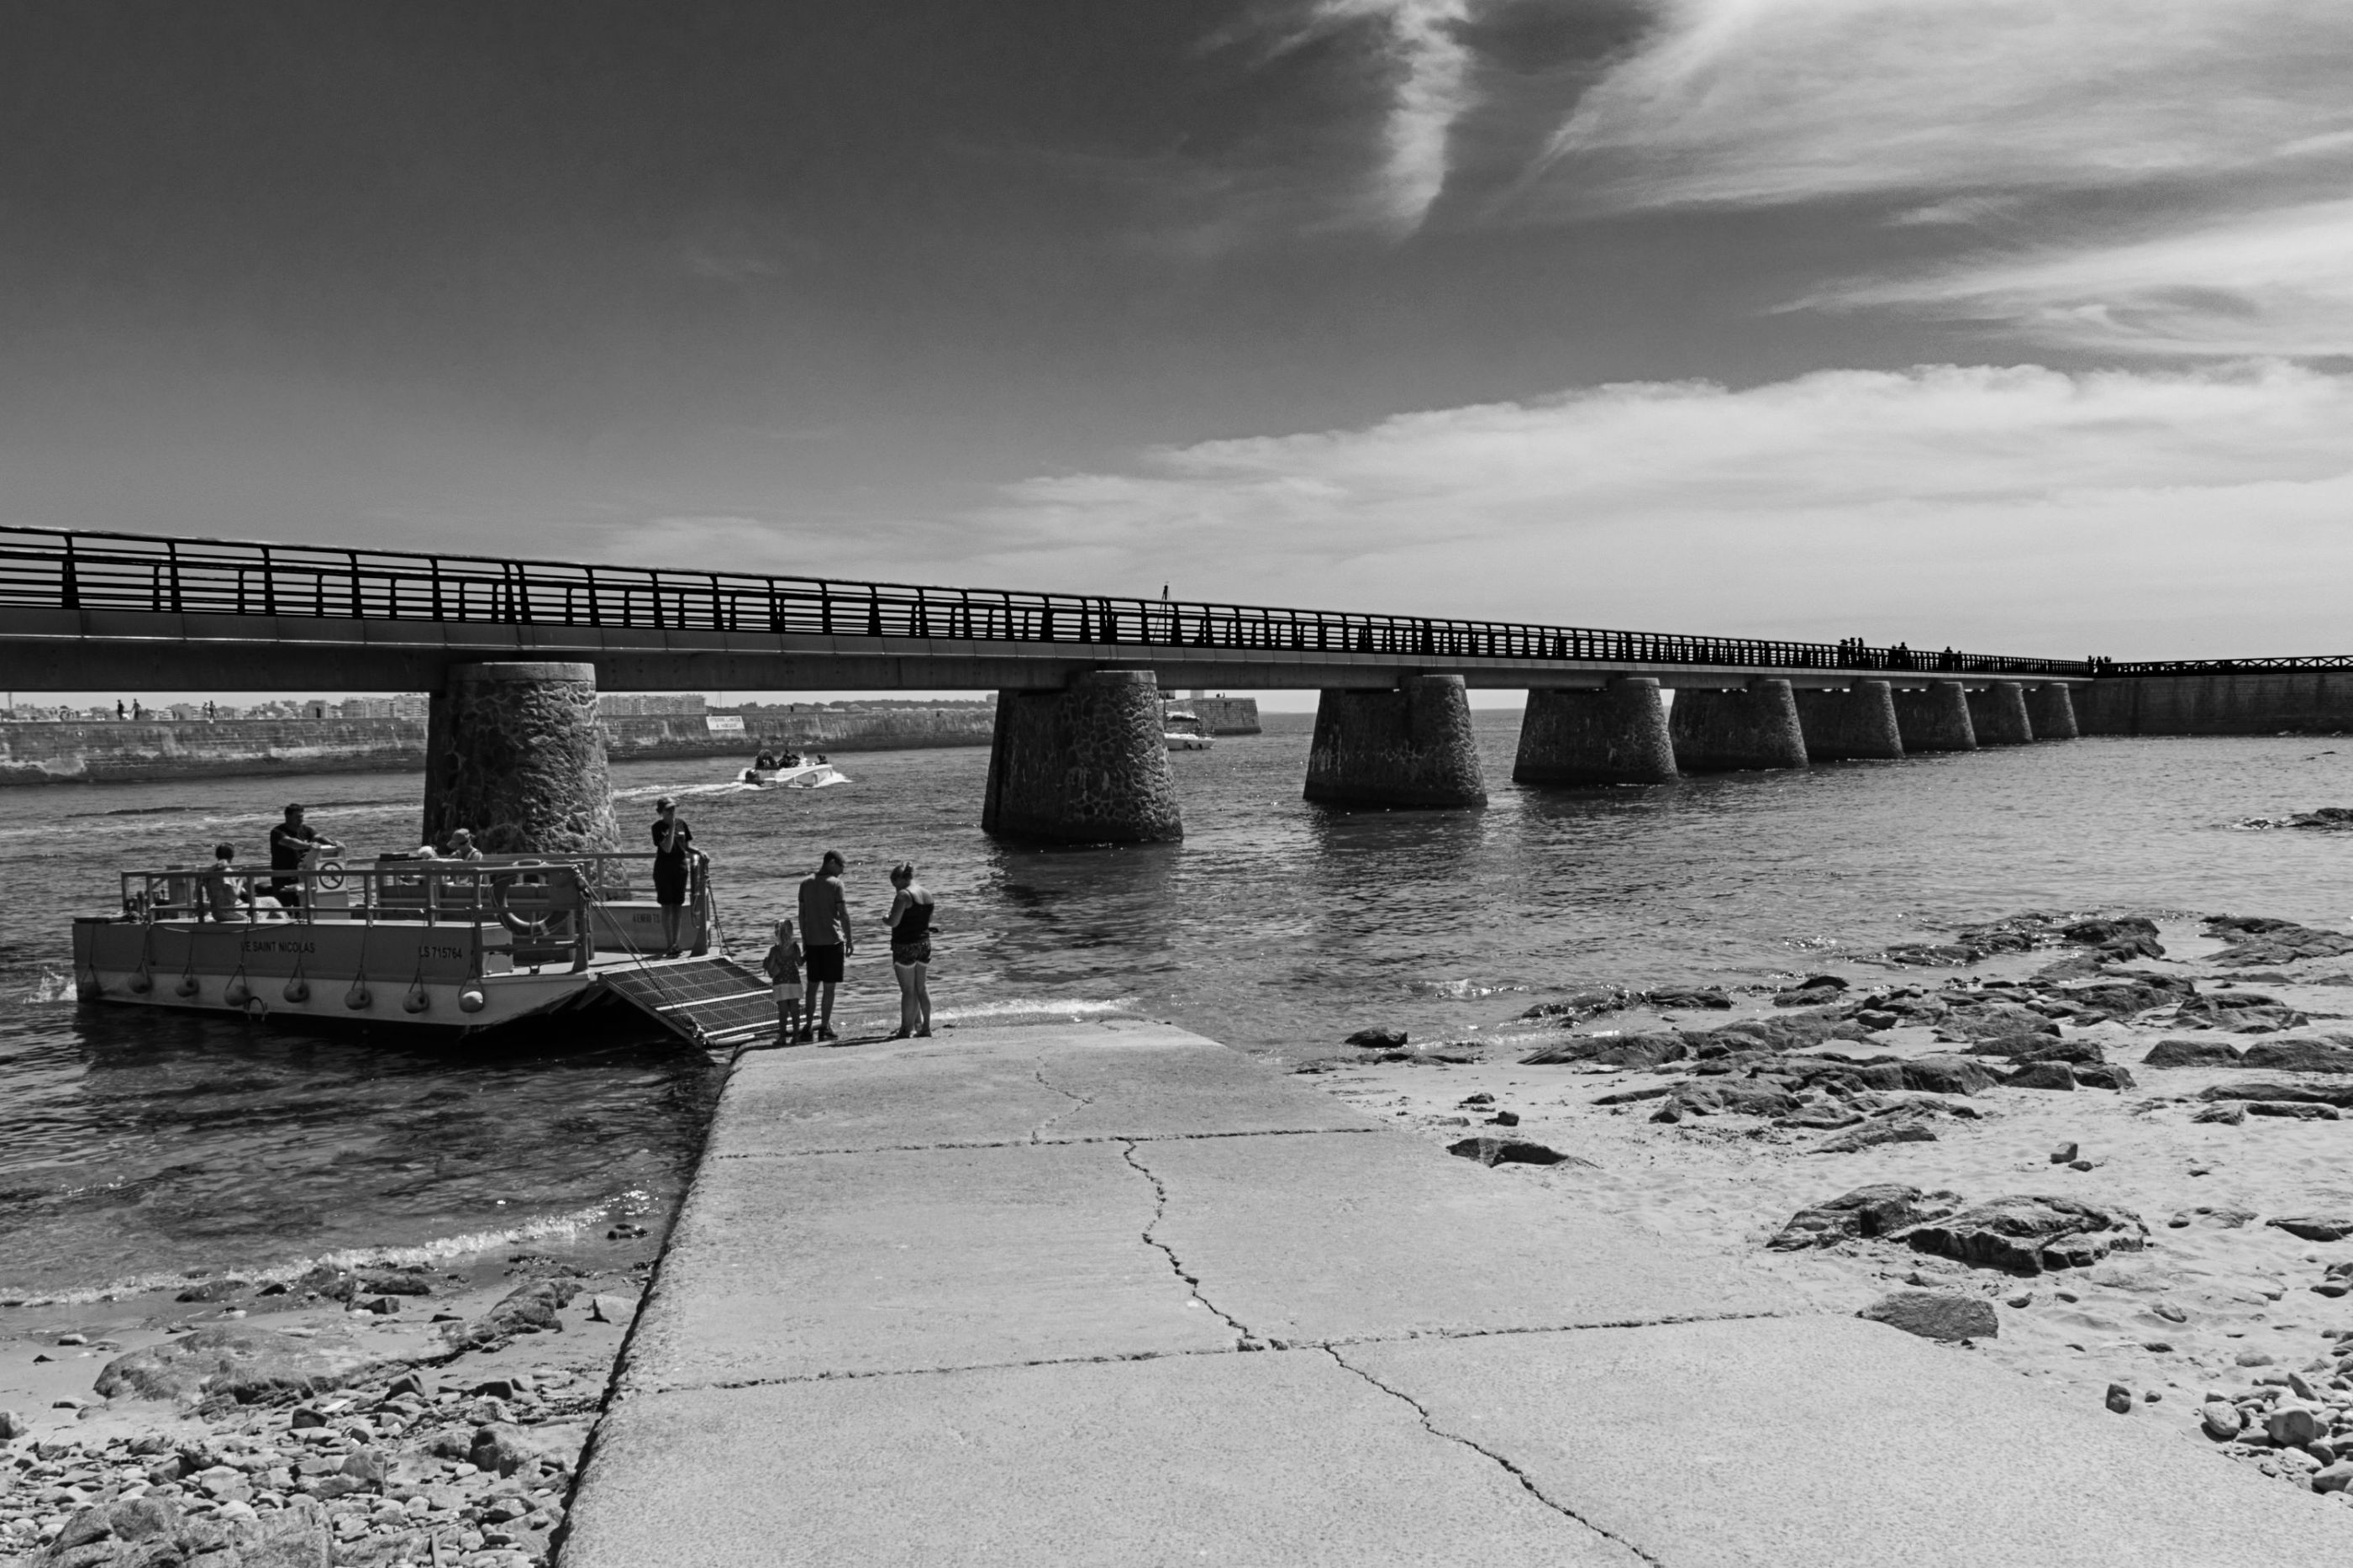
708,1001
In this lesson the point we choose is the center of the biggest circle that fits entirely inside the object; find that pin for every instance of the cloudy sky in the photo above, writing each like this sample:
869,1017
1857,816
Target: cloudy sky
2022,325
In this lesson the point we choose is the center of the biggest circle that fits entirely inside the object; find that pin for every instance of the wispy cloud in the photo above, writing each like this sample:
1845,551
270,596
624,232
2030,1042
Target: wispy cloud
2273,282
2118,510
1764,101
1429,69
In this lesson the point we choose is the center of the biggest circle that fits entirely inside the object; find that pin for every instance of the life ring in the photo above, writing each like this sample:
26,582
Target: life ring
328,875
529,909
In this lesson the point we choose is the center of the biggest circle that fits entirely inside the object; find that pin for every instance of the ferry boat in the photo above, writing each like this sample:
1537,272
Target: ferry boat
819,775
1184,732
432,947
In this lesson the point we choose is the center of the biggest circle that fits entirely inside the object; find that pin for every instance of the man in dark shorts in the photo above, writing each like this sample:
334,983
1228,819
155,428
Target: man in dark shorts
824,940
674,848
289,842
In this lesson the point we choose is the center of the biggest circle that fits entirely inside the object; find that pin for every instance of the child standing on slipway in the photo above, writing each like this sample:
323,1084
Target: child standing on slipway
782,966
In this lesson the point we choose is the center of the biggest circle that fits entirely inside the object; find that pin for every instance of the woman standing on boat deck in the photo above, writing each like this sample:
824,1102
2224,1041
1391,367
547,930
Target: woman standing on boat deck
673,851
910,951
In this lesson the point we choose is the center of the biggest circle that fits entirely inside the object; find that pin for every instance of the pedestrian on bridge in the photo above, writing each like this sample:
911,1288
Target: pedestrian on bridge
826,939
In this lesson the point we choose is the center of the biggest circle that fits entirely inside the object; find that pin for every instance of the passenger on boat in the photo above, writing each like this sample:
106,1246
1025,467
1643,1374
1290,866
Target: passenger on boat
216,895
766,761
792,759
289,841
462,846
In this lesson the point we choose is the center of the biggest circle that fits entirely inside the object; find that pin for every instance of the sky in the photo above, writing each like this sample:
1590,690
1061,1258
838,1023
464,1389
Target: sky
2016,325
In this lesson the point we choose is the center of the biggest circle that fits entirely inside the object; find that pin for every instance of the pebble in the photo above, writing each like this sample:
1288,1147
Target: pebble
2120,1399
2064,1155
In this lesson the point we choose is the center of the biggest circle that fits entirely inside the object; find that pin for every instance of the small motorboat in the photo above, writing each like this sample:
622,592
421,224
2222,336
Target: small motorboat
792,773
1184,732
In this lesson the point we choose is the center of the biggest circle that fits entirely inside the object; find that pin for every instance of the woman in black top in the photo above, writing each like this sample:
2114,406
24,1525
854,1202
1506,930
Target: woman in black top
673,844
910,951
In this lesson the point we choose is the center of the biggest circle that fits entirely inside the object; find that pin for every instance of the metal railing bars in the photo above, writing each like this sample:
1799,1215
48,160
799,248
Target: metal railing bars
59,569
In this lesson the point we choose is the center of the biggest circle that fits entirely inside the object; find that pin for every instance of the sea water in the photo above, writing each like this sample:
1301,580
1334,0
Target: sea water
142,1146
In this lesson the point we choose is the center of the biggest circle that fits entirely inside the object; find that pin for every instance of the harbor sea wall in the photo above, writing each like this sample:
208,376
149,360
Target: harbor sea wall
129,752
2224,702
1221,715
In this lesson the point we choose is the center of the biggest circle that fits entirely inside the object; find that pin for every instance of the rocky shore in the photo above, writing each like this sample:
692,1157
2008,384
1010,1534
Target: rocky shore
2103,1149
372,1416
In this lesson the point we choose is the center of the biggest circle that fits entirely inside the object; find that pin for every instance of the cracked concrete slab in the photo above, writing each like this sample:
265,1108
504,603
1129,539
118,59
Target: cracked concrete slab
1841,1444
1118,1078
1383,1236
1270,1459
838,1265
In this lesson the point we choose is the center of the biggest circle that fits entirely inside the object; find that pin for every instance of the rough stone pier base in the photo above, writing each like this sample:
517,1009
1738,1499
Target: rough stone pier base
1854,725
1616,735
1936,718
2052,711
1727,732
514,751
1087,765
1411,747
1997,713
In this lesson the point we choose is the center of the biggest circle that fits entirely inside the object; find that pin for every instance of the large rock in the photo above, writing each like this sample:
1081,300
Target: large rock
2294,1110
1612,1050
2100,933
2192,1054
1492,1150
1875,1210
2298,1056
2028,1233
1947,1075
2043,1075
2240,1011
2102,1077
2126,993
528,1310
2338,1094
1786,1031
2316,1226
1935,1314
1884,1130
1378,1039
2256,941
505,1449
150,1532
246,1365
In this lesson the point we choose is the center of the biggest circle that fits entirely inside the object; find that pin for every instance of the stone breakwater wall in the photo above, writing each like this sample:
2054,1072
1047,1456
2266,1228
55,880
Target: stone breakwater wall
36,752
885,730
146,750
1220,715
2239,702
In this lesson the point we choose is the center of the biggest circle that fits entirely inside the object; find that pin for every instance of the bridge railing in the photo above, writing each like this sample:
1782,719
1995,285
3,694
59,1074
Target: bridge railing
90,571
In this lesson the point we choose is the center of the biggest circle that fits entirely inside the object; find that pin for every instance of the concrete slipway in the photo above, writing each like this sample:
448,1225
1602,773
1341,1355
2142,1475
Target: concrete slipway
1111,1293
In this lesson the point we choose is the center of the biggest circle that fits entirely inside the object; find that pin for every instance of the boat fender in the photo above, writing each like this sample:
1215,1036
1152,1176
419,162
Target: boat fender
142,982
471,1000
236,992
418,999
188,986
359,997
297,989
85,986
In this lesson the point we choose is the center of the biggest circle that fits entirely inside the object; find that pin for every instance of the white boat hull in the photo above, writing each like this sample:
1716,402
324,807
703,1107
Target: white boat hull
811,775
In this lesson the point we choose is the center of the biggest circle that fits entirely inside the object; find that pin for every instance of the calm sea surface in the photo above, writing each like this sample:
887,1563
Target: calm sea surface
138,1145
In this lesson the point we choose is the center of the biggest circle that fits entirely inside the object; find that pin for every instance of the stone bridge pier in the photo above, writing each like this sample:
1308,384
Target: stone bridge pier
1755,726
1998,714
1086,765
1858,724
1411,747
1615,734
2052,711
1935,718
514,753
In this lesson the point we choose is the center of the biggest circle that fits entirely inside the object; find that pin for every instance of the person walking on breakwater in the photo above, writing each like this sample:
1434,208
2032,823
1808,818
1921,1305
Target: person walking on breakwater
290,842
673,853
783,968
826,937
910,951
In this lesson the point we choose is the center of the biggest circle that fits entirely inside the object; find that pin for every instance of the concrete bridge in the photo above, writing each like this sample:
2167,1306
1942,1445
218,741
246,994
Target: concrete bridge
513,649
